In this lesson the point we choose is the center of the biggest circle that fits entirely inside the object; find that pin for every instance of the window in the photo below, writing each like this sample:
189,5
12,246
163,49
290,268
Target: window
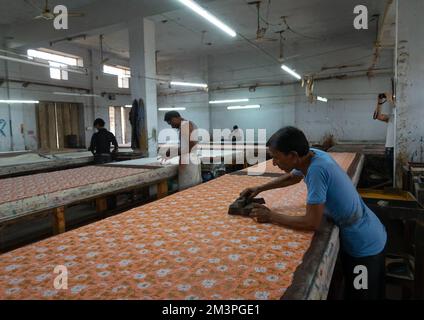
119,120
56,72
122,73
57,61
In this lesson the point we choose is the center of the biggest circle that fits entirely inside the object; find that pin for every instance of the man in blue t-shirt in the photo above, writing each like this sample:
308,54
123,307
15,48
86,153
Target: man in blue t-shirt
330,193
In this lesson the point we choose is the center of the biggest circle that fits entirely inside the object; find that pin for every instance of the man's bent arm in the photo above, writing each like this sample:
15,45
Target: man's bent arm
286,180
311,221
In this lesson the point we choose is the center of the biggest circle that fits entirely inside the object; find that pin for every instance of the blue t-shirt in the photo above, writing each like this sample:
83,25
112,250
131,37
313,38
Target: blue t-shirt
361,232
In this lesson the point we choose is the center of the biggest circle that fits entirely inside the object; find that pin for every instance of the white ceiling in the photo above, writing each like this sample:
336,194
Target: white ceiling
181,33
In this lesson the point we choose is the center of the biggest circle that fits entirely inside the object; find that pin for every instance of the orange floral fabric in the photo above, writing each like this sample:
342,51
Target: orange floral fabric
13,189
184,246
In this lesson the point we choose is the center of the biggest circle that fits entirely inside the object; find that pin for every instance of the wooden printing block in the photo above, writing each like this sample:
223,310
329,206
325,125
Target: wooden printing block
243,206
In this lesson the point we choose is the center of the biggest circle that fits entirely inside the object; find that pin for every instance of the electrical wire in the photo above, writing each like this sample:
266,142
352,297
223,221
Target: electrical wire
298,33
181,25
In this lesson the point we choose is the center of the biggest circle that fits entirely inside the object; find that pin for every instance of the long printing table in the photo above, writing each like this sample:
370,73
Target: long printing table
30,163
26,196
207,156
34,163
184,246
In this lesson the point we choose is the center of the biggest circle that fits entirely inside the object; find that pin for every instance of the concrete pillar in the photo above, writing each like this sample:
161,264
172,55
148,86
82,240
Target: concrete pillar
409,84
143,75
90,109
6,137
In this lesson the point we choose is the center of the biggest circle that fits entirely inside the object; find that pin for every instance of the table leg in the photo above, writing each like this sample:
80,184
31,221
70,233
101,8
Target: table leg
101,205
162,189
59,220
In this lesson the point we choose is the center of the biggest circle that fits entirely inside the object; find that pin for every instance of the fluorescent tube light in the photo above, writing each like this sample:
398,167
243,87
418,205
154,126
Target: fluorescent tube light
19,101
322,99
290,71
228,101
254,106
188,84
76,94
208,16
171,109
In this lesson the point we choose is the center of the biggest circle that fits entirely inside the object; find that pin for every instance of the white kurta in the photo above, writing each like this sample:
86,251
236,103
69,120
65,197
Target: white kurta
189,171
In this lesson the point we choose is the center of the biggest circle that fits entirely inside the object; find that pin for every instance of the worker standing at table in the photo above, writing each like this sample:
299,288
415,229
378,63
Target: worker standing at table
189,168
388,116
330,193
101,142
236,134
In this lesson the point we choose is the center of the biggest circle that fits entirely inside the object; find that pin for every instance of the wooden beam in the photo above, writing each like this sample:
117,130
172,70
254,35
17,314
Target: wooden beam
42,126
101,205
51,114
66,113
59,220
75,120
60,126
162,189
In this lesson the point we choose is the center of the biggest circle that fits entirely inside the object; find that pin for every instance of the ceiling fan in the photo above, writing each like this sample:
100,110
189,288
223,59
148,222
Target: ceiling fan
260,30
47,13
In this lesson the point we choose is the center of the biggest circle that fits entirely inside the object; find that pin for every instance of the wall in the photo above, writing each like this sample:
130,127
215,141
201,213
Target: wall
196,103
348,113
277,110
410,82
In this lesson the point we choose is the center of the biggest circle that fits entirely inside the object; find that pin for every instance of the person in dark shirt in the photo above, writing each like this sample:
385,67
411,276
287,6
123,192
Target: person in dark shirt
100,143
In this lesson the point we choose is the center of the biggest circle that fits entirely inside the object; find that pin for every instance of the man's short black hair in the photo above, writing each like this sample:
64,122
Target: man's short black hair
235,127
171,114
99,122
289,139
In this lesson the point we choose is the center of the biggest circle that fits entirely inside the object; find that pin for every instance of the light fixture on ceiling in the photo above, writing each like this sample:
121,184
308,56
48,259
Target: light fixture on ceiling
253,106
19,101
322,99
291,72
208,16
228,101
188,84
171,109
76,94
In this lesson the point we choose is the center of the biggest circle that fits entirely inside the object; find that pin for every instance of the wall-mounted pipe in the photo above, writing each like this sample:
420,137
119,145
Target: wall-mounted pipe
377,45
27,83
45,65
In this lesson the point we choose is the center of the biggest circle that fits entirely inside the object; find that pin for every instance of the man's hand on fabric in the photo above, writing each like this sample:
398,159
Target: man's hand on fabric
261,213
250,192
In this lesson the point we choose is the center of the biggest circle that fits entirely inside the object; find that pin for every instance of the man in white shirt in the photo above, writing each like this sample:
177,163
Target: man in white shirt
236,134
386,99
189,169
